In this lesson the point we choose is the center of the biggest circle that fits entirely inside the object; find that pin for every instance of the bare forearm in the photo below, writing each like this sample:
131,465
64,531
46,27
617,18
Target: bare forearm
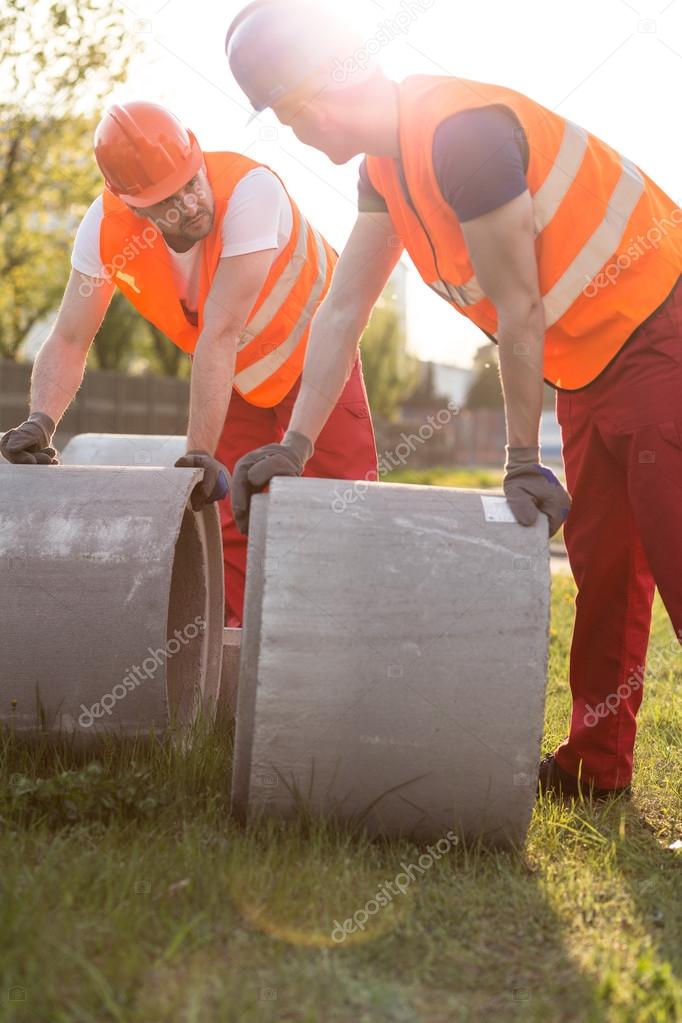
212,378
521,343
57,375
332,350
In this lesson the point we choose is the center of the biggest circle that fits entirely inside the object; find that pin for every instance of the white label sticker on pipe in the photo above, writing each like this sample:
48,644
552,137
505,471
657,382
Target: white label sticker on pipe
496,509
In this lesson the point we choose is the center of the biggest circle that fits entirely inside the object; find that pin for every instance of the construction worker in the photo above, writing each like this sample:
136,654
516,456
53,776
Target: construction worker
569,257
211,249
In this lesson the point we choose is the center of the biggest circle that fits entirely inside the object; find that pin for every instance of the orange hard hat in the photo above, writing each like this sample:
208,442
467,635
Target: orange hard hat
144,152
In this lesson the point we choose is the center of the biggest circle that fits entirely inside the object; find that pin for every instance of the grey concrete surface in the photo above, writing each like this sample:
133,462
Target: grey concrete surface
229,678
394,659
123,449
104,595
158,450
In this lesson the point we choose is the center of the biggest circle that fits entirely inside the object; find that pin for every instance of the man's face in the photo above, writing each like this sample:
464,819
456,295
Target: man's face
186,216
321,124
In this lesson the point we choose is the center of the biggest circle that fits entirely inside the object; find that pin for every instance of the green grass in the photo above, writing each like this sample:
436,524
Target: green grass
476,478
129,895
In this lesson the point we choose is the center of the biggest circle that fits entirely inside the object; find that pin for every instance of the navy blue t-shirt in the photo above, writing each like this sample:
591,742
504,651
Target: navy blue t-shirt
480,158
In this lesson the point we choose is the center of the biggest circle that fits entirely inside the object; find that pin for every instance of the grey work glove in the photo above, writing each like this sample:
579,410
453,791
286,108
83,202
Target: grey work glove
30,443
255,470
531,487
215,484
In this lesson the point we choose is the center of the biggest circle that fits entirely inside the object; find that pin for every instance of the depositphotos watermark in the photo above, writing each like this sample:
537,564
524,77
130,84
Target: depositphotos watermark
634,683
385,893
635,250
389,460
136,675
389,28
137,244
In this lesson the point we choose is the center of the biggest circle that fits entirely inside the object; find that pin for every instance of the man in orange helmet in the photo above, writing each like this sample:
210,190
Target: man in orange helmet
211,249
569,257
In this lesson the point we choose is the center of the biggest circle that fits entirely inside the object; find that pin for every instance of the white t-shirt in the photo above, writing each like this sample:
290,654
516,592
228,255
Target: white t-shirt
258,217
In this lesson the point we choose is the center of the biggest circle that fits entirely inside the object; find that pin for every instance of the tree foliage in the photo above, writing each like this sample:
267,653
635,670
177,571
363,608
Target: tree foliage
485,390
58,61
127,343
391,373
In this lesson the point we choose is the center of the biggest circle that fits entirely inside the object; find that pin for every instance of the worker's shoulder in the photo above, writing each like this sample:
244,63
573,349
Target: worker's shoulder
261,184
95,211
89,226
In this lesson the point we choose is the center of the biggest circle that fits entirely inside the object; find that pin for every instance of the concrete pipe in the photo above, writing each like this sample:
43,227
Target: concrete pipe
106,610
159,450
394,659
229,678
123,449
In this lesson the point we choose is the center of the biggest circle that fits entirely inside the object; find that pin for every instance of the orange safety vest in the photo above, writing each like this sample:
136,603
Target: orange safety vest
608,240
272,346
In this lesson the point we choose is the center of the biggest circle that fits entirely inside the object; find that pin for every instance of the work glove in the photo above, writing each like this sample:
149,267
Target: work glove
30,443
531,487
214,486
255,470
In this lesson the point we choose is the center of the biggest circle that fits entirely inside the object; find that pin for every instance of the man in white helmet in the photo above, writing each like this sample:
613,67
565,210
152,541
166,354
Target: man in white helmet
567,255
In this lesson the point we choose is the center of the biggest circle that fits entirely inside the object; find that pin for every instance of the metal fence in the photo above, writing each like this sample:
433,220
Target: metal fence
106,403
475,437
111,402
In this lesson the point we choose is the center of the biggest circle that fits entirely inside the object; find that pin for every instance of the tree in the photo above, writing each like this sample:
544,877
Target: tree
172,361
485,390
126,342
58,61
391,373
118,336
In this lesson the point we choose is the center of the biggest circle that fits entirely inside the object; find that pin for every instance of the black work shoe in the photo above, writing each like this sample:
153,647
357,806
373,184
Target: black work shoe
563,785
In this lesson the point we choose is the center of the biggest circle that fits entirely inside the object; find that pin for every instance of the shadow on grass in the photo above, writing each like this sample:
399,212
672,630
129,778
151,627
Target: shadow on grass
58,781
472,937
469,936
652,873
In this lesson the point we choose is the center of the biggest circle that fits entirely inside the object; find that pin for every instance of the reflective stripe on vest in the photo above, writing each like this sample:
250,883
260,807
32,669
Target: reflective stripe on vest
556,185
608,240
603,244
278,296
271,348
252,377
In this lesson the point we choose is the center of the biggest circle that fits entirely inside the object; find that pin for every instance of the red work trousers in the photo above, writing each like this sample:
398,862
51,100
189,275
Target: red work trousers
622,441
346,449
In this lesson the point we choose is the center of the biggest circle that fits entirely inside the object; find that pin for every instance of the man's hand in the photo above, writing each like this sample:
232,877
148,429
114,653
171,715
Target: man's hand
531,487
255,470
214,486
30,443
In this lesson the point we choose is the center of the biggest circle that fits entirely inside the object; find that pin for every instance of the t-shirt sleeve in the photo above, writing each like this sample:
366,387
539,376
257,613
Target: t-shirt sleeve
85,255
480,158
258,215
369,200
